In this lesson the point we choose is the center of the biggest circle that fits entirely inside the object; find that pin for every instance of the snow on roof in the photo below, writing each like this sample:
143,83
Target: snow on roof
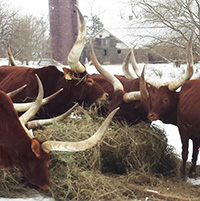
103,33
139,36
136,32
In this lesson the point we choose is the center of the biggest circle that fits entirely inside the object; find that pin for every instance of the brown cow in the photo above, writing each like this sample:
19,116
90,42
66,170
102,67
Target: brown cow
77,85
123,92
180,108
18,148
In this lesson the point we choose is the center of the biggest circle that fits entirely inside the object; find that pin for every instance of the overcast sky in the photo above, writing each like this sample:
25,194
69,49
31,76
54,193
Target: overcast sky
110,10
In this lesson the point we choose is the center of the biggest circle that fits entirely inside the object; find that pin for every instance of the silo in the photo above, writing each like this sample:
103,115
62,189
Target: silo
63,28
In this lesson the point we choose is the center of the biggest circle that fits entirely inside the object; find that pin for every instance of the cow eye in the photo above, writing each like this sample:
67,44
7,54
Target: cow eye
165,100
90,82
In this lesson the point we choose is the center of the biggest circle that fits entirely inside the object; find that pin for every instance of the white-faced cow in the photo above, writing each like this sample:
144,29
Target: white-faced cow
19,148
78,86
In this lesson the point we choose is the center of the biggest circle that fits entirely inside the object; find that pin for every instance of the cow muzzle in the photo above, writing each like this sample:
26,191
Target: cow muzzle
105,96
153,116
45,187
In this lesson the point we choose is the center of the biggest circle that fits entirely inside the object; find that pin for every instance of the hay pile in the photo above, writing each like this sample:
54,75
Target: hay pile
122,167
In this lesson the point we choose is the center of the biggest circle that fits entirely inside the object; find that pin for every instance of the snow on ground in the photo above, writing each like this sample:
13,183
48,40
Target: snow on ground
35,198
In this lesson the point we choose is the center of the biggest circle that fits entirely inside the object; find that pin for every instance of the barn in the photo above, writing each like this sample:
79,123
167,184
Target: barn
111,48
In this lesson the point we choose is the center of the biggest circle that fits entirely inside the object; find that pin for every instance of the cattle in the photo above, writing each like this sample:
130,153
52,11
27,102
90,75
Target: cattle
19,148
123,92
78,86
180,108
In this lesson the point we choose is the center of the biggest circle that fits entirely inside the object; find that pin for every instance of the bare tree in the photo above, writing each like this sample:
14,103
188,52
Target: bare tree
171,22
7,18
27,35
94,24
30,39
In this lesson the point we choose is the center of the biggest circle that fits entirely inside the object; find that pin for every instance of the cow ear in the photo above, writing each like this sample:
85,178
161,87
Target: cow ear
67,73
36,147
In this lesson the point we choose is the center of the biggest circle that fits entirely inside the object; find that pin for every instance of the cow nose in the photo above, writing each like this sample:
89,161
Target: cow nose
45,187
152,116
104,96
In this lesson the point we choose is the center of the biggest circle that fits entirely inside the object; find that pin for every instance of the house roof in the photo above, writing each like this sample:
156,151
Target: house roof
103,33
139,35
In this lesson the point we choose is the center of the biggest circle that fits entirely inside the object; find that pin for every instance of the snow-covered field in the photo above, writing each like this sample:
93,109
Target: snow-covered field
165,72
36,198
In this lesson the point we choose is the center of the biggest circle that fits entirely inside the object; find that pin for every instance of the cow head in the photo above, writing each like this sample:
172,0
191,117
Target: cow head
163,105
164,99
33,162
88,89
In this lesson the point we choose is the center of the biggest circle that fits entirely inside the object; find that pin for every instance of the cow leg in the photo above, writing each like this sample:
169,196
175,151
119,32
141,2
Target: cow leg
185,143
194,158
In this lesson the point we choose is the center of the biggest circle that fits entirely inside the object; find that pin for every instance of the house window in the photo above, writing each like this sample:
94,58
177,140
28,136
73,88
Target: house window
104,52
100,36
118,51
105,42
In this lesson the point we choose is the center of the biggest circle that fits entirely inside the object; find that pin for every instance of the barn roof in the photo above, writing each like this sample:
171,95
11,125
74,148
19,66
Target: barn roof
103,33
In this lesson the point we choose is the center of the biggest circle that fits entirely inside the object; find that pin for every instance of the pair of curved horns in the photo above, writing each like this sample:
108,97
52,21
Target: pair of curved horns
129,96
175,84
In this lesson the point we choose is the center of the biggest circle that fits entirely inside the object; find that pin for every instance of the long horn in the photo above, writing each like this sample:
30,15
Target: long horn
137,95
111,78
136,69
143,86
44,122
59,64
22,107
35,106
75,53
82,145
153,82
33,110
10,56
13,93
131,96
175,84
125,67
